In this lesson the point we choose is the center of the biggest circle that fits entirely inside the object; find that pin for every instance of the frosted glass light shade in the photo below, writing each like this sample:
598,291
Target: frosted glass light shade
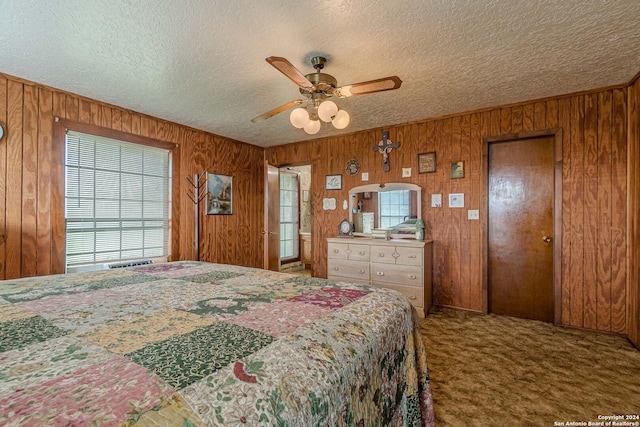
341,120
312,127
299,117
327,110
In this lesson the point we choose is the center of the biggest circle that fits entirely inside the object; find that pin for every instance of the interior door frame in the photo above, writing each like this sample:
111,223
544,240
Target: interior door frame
557,214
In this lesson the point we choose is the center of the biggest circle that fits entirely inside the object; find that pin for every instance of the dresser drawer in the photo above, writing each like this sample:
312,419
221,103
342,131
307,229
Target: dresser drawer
383,254
414,295
396,255
397,275
348,251
347,268
359,252
361,281
338,250
409,256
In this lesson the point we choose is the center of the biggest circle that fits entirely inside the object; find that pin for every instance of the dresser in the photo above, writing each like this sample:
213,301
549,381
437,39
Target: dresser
399,264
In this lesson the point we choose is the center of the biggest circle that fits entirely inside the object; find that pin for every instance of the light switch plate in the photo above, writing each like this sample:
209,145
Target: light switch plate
473,214
406,172
365,176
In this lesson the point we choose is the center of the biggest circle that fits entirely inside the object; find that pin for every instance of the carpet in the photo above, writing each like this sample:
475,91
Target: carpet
490,370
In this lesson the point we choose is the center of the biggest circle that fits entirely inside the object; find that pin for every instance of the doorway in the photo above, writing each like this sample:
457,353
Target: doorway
288,219
522,227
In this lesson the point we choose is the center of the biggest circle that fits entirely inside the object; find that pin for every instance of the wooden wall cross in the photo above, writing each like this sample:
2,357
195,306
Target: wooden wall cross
385,146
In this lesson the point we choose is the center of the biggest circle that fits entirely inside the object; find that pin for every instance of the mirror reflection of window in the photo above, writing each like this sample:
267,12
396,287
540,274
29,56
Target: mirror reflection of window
394,207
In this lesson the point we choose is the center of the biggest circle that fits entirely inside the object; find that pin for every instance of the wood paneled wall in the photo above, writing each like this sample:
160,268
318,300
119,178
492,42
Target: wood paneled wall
633,289
28,160
594,195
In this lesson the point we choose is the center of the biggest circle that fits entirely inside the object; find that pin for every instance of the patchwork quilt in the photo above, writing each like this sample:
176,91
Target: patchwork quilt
198,344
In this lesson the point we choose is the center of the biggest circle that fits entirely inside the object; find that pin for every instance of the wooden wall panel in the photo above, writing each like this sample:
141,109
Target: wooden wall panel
633,265
592,126
3,177
31,175
45,133
13,193
619,218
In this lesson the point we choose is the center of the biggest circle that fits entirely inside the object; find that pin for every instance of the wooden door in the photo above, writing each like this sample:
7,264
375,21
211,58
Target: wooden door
271,230
520,228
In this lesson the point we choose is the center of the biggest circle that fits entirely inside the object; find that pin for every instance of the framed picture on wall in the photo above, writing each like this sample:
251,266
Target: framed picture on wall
219,194
427,162
333,182
457,170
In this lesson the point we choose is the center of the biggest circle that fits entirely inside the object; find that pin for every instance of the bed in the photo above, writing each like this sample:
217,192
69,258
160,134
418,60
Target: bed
196,344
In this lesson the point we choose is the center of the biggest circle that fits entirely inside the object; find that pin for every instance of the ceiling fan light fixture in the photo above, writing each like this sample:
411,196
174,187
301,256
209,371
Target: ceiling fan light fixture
312,127
299,117
341,120
327,110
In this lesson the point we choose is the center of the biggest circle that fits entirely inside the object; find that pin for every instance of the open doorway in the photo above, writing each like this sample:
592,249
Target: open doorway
291,205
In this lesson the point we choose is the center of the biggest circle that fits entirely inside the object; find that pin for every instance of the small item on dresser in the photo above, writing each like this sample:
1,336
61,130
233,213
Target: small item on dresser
380,233
419,229
345,228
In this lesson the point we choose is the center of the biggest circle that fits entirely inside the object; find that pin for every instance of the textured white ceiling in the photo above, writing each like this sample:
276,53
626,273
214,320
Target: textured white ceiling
201,62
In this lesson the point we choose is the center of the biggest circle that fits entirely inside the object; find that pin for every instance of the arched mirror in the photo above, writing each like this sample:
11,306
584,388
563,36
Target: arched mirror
392,206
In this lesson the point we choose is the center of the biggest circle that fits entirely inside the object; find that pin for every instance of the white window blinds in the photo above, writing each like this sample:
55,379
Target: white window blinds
116,200
394,207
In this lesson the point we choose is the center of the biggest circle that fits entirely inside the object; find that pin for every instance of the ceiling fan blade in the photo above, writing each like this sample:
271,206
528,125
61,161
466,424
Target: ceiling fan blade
378,85
286,68
278,110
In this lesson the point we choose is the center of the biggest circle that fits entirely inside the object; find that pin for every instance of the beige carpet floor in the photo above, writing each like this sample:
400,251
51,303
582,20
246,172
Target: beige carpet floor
489,370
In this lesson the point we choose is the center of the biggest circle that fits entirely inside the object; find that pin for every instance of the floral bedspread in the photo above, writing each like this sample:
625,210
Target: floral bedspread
195,344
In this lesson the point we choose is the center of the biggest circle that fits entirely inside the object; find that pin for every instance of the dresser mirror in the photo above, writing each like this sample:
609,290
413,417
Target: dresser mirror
393,207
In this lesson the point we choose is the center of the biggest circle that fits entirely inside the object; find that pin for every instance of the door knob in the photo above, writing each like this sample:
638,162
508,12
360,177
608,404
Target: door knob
546,239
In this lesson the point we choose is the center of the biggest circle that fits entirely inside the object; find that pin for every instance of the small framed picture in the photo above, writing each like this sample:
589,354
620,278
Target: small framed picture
427,162
456,200
457,170
219,194
366,195
333,182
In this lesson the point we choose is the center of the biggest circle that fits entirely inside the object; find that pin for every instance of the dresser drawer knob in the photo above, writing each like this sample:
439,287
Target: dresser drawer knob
412,297
336,268
412,276
362,271
412,256
362,253
336,251
380,273
381,255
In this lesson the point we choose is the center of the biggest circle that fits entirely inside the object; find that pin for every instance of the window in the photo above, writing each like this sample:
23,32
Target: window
289,244
394,207
116,200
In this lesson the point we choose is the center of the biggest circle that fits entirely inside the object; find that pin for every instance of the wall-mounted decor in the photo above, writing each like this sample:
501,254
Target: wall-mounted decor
352,167
219,199
427,162
456,200
457,170
436,200
333,182
366,195
384,147
329,204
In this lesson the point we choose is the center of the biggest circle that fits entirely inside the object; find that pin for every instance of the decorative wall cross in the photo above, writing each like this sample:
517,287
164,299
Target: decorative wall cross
385,146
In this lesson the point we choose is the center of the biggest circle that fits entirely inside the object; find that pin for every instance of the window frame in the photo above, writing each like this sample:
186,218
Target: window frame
58,221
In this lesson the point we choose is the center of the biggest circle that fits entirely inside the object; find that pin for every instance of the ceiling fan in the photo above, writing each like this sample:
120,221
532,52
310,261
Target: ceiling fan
317,87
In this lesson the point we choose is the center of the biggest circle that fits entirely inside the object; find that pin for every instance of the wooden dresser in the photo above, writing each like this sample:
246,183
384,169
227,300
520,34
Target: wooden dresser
400,264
